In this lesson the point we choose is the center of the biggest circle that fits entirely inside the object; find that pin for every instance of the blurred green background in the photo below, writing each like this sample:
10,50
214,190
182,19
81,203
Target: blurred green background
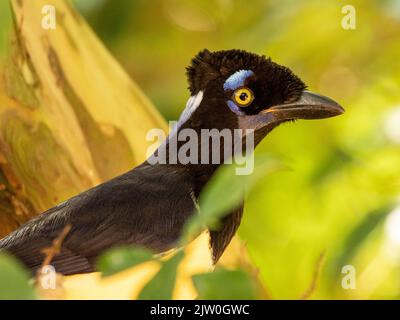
341,192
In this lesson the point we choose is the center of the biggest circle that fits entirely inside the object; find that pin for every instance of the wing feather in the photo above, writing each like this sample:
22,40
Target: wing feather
142,207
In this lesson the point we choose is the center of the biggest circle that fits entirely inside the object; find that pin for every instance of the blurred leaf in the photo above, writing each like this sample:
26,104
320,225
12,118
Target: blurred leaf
337,159
225,284
163,283
119,259
14,280
359,234
109,18
226,184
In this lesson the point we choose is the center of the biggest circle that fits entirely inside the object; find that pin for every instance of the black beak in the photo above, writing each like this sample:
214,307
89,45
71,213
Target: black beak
309,106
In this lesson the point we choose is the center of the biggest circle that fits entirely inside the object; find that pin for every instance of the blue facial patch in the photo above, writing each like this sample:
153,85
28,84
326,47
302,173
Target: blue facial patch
237,79
235,108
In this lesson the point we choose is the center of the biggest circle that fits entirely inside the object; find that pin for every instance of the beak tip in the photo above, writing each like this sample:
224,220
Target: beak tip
338,110
331,107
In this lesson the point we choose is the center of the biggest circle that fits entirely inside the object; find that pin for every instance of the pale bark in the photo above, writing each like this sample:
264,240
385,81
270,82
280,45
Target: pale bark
70,116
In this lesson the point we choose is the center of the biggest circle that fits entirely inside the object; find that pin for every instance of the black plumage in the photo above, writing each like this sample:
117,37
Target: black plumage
141,207
149,205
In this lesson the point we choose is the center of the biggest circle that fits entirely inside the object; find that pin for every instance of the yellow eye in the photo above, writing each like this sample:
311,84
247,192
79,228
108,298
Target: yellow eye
243,97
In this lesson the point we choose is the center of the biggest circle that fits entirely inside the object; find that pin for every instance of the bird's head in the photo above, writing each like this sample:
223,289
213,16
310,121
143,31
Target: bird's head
236,89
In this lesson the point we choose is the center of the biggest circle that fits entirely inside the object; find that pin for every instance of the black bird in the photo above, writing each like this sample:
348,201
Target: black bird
149,205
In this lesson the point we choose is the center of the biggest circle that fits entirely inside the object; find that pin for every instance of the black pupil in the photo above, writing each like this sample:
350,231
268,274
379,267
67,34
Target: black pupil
243,96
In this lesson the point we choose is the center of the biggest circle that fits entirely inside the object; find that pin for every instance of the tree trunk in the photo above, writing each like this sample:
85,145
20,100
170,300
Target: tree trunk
70,117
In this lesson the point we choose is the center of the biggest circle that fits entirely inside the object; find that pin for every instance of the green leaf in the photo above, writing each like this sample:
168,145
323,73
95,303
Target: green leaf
225,284
359,234
225,192
14,280
119,259
163,283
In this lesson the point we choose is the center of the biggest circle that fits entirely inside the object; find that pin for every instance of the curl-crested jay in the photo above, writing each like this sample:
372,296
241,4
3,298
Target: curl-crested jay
149,205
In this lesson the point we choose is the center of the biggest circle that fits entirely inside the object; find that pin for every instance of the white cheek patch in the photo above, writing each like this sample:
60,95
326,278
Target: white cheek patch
191,106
